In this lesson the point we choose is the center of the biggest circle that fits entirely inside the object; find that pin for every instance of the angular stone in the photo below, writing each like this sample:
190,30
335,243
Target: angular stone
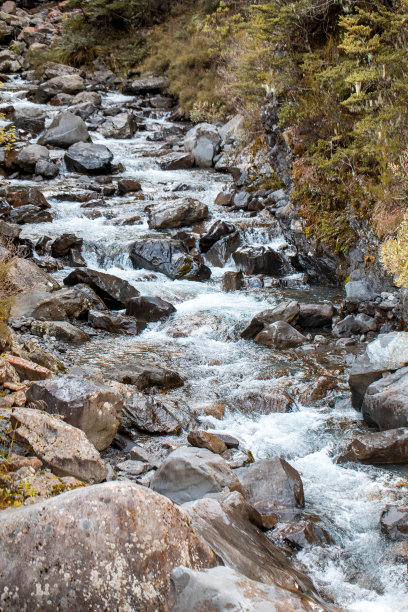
280,335
176,161
383,447
177,214
288,311
146,85
145,376
90,406
385,403
387,353
204,439
265,402
259,260
314,316
149,415
115,323
301,535
65,130
61,245
27,370
218,230
60,330
354,324
232,281
63,448
120,126
114,291
146,308
274,488
88,158
120,539
128,186
394,522
190,473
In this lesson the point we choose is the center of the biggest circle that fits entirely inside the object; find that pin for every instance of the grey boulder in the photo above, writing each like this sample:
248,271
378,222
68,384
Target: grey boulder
385,403
280,335
88,158
174,214
65,130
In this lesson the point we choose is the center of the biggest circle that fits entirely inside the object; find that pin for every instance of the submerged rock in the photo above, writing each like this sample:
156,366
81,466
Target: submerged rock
119,539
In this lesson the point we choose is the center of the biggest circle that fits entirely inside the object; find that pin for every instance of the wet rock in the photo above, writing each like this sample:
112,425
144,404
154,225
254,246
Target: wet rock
67,84
394,522
90,406
176,161
27,370
189,473
226,524
65,130
354,324
218,230
91,297
204,439
146,85
145,376
46,169
314,316
21,196
280,335
27,158
174,214
63,448
229,441
265,402
115,323
146,308
30,119
274,488
224,198
288,311
29,214
61,245
232,281
220,252
120,126
385,403
203,142
114,291
170,257
301,535
259,260
128,186
149,415
383,447
88,158
126,538
387,353
60,330
318,389
227,589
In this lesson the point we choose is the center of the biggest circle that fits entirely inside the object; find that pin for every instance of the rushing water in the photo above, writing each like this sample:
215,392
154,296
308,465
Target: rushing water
201,341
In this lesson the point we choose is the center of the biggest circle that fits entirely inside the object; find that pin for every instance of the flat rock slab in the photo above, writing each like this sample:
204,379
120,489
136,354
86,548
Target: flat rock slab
28,370
108,547
61,447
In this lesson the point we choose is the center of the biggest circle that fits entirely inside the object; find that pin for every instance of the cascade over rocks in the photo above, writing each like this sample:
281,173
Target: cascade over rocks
87,158
174,214
65,130
90,406
387,353
126,541
114,291
190,473
170,257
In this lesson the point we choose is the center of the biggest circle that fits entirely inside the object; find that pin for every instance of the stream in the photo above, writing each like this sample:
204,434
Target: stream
201,341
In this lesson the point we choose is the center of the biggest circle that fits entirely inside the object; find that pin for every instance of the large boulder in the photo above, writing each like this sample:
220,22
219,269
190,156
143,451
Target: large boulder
149,414
274,488
354,324
218,230
203,142
88,158
385,403
280,335
359,291
119,539
62,83
383,447
63,448
114,291
177,214
287,311
26,276
170,257
149,308
115,323
190,473
27,158
146,85
26,370
45,306
176,161
60,330
65,130
62,245
387,353
90,406
260,260
314,316
226,523
225,589
30,119
120,126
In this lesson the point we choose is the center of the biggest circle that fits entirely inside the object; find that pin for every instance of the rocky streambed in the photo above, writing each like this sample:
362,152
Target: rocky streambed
164,312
